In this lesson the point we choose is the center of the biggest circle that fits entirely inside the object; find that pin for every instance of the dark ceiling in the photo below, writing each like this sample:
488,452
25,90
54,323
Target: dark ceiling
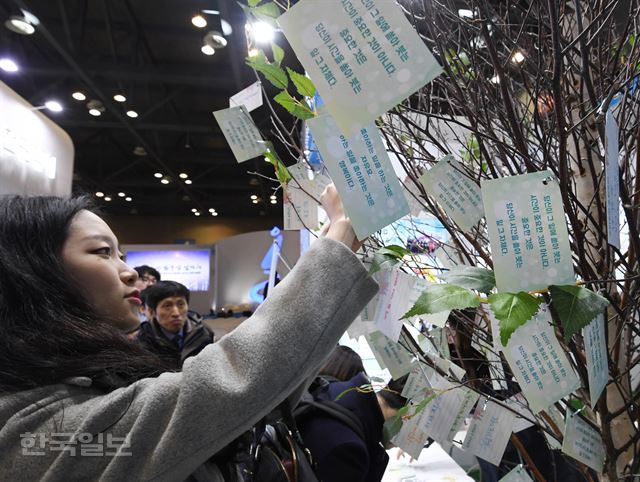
149,51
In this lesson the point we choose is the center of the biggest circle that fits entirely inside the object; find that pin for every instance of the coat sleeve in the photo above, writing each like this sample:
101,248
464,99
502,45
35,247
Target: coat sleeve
175,422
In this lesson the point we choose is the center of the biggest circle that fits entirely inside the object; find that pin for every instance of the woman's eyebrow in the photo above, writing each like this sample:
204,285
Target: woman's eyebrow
100,237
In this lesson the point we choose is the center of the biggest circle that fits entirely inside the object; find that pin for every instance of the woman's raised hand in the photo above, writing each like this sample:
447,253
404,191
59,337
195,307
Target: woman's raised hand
339,226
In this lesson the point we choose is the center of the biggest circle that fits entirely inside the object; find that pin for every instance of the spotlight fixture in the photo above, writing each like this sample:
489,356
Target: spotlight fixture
107,198
211,210
207,50
79,96
255,201
183,175
99,194
95,112
194,210
214,214
132,113
274,201
128,199
164,180
121,194
188,181
262,32
215,40
119,98
199,21
53,106
517,57
20,25
8,65
254,197
158,175
272,197
197,213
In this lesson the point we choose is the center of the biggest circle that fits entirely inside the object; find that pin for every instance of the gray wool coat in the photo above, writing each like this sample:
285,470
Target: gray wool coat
166,428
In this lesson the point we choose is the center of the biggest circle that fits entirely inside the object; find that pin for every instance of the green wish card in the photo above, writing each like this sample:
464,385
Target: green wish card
241,133
362,173
364,57
528,232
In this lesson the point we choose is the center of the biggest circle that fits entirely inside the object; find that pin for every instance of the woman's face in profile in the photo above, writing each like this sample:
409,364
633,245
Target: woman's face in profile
92,258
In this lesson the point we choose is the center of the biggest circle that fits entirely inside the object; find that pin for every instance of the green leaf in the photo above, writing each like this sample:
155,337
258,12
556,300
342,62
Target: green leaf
576,306
442,297
513,310
422,405
282,173
387,258
272,72
472,277
278,53
267,12
392,426
294,106
253,3
303,84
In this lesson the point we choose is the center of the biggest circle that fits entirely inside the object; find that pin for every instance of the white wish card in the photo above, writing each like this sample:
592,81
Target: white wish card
583,442
525,419
612,176
241,133
538,362
595,348
393,301
489,431
413,435
417,383
363,57
300,210
251,97
315,181
395,357
362,173
518,474
528,232
458,195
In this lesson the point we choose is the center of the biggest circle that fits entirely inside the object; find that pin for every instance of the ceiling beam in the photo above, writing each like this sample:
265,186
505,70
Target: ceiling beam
89,124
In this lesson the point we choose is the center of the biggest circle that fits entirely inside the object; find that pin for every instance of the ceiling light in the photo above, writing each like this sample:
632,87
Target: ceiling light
197,214
495,79
215,40
107,198
199,21
119,98
8,65
214,214
121,194
211,210
158,175
188,181
132,113
78,96
517,57
273,201
53,106
183,175
273,196
95,112
226,27
194,210
19,25
99,194
255,201
262,32
207,50
253,196
164,181
128,199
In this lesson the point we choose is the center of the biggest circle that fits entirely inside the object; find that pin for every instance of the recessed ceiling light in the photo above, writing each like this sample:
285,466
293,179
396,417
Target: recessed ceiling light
95,112
119,98
107,198
253,196
164,181
132,113
274,201
214,214
79,96
19,25
273,196
194,210
8,65
199,21
99,194
197,214
53,106
517,57
255,201
183,175
207,50
158,175
188,181
128,199
211,210
121,194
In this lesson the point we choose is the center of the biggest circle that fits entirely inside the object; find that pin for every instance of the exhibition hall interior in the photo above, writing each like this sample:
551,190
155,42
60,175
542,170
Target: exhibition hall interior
319,240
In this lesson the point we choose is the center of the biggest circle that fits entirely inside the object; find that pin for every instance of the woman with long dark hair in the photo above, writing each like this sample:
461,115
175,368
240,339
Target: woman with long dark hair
78,400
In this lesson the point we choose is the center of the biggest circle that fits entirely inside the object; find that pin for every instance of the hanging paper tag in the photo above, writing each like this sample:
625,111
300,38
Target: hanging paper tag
489,431
517,475
363,57
396,359
539,363
612,174
241,133
595,348
251,97
528,232
583,442
393,302
362,173
413,436
416,384
458,195
300,211
519,404
315,181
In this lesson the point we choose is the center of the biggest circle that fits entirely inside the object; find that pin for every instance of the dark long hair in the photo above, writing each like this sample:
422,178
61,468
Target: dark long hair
48,331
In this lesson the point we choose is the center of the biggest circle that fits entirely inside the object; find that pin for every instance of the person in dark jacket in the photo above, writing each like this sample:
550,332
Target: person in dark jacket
173,332
340,453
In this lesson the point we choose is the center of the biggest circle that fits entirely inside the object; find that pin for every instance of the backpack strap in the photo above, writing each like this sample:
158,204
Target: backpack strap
334,410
